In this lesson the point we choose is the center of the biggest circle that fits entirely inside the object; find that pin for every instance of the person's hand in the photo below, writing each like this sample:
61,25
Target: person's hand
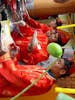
14,51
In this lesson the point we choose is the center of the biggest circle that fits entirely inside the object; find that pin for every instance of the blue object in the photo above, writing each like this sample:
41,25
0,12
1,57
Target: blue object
62,96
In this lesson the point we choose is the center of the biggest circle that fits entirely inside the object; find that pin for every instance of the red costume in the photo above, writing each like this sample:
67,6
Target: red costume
37,54
13,78
63,36
37,25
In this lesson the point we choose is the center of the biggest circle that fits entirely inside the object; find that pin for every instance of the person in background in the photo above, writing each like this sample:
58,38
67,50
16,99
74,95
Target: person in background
56,35
52,36
55,21
61,67
58,21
